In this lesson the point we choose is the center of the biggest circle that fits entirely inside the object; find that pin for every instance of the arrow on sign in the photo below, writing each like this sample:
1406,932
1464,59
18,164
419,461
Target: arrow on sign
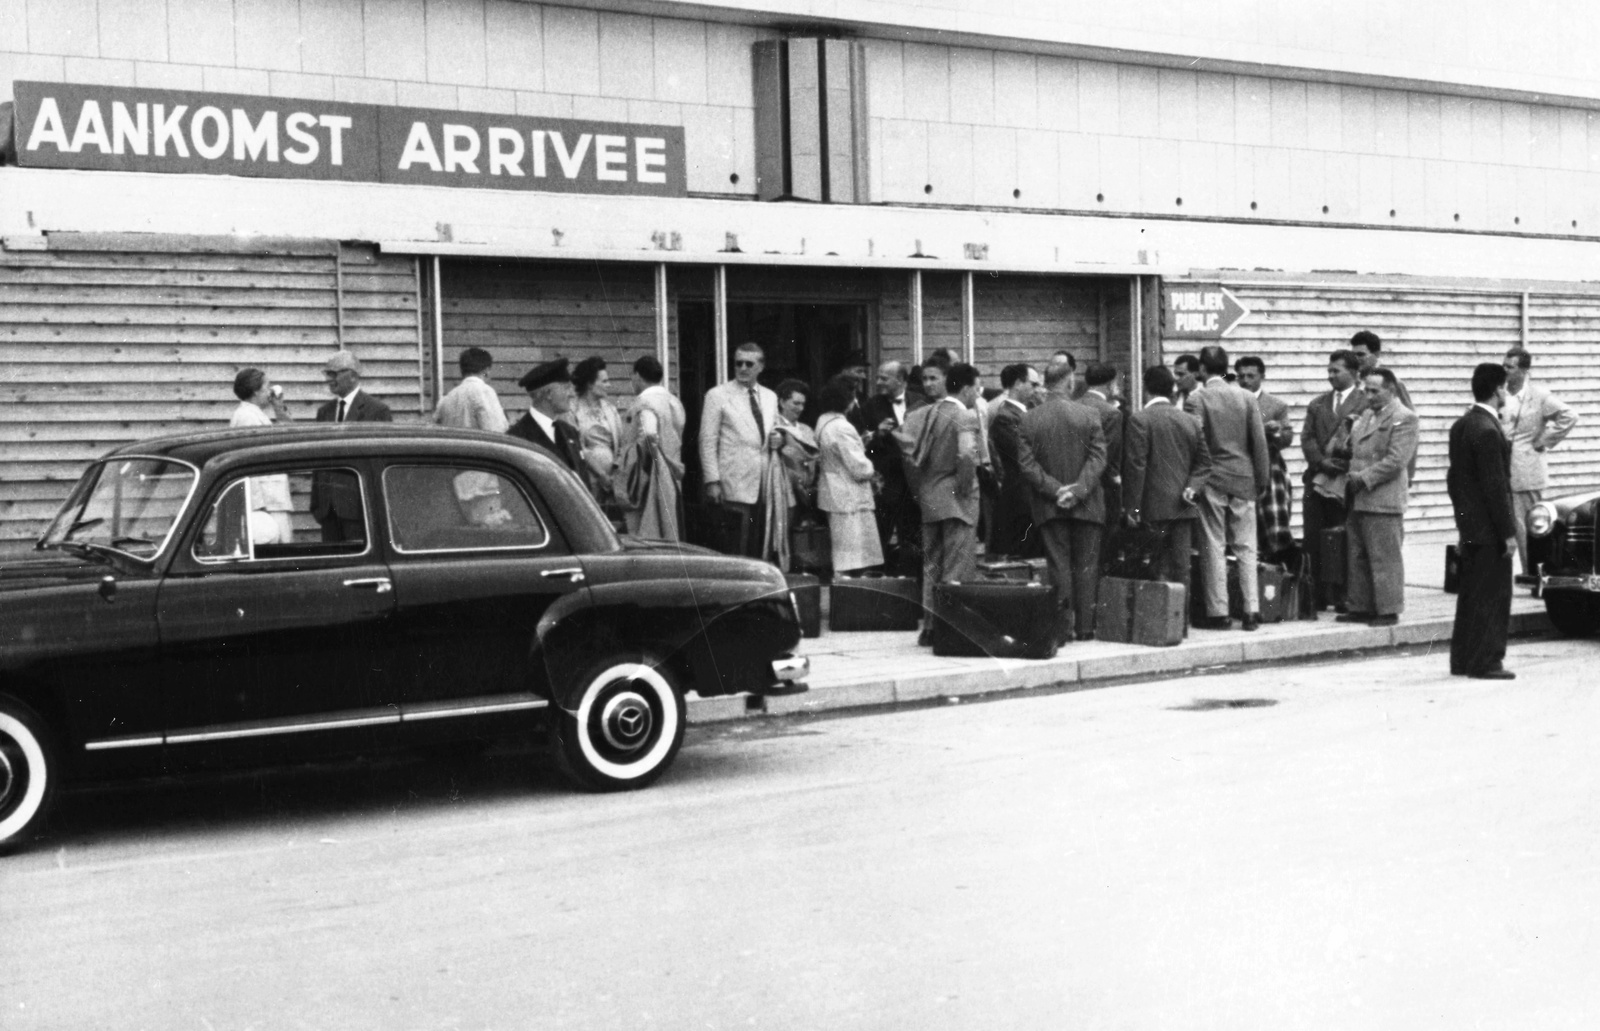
1233,312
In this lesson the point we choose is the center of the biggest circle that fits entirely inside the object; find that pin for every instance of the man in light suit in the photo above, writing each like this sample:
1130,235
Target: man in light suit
1100,395
940,445
550,396
1241,473
1165,467
1535,421
734,425
899,523
1062,451
473,404
1383,444
1275,511
1479,482
336,497
1327,419
1012,532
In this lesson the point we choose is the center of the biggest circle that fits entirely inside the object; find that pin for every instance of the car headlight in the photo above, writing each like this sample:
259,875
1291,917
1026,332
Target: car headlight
1541,520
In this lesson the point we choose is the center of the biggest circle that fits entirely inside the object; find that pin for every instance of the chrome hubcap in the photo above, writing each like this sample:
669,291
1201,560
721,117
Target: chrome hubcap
626,721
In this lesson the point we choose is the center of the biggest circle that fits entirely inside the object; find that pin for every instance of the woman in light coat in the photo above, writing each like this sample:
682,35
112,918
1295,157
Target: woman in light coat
599,426
844,488
261,404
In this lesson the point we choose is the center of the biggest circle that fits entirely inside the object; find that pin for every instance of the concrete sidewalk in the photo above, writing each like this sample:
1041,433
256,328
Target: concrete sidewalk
852,670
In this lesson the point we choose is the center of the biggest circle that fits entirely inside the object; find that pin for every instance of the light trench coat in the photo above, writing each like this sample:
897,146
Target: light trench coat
844,491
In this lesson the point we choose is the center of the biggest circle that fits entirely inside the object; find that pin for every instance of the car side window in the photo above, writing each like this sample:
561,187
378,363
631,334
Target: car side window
312,513
453,508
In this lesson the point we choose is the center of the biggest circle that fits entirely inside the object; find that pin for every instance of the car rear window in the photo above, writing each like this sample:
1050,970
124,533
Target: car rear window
456,508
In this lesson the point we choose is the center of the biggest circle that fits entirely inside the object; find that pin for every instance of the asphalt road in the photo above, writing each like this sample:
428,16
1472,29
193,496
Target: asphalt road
1376,845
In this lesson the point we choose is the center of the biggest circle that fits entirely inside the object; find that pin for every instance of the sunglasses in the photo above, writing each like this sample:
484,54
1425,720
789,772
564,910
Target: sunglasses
744,365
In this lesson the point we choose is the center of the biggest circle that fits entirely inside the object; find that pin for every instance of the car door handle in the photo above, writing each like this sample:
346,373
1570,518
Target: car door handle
380,584
573,574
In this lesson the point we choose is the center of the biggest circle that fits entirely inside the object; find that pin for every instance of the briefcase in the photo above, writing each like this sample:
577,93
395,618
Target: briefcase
1000,619
1335,546
1113,609
1158,613
807,591
1015,570
717,527
1452,569
811,547
874,602
1130,553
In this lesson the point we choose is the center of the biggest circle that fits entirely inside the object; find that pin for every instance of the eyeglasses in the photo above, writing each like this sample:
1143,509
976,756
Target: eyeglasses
744,364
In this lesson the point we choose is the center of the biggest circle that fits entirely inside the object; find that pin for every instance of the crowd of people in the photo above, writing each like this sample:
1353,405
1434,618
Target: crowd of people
906,474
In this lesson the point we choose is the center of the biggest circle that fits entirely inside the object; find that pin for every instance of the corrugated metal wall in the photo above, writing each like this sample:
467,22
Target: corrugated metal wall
109,339
1433,336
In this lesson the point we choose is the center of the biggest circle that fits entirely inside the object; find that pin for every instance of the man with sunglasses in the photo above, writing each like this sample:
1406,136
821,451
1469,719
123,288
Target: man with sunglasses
734,425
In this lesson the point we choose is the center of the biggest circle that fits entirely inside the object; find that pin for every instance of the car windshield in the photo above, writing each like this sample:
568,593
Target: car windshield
128,505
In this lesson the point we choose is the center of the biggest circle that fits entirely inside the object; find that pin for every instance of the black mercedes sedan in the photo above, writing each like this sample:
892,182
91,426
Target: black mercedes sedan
259,596
1561,548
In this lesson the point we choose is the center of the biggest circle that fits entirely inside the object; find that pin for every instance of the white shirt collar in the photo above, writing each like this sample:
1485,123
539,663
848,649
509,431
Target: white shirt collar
1256,393
1098,394
544,422
1013,401
1488,408
350,398
1158,401
1340,396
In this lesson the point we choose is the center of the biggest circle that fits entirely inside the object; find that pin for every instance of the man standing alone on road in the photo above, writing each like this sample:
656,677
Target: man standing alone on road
1383,445
940,442
1479,482
1535,421
1062,451
1166,467
1240,474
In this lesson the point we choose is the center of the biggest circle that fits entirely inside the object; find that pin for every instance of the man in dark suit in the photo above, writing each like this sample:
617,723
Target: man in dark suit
1240,474
336,497
1100,393
1275,511
1479,482
899,522
940,445
1165,467
550,396
1011,532
1062,452
1328,421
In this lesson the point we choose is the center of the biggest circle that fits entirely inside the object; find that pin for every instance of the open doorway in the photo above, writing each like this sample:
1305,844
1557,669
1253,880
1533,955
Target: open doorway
804,341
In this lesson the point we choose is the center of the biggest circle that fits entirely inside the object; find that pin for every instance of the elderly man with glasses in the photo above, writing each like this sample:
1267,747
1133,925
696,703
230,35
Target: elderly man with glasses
734,425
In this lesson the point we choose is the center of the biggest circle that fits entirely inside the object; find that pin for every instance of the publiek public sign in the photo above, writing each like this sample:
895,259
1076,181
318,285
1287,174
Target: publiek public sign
1200,311
144,130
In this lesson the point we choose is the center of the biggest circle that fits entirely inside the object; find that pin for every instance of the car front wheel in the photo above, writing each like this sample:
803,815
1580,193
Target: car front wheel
27,773
1574,613
626,725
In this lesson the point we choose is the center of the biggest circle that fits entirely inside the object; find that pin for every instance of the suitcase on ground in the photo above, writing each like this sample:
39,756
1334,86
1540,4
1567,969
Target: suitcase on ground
1452,569
874,603
1113,609
807,591
810,547
997,618
1335,545
1273,588
1158,613
1016,570
716,527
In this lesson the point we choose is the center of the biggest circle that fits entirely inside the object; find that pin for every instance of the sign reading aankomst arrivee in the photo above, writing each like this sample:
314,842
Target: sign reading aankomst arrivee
65,125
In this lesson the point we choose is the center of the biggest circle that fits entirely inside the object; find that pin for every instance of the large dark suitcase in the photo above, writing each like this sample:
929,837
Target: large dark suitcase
1452,569
807,591
1159,608
1000,619
873,602
1277,595
1113,609
1335,545
717,527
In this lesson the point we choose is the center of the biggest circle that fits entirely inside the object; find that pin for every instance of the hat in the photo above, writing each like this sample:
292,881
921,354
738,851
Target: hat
552,371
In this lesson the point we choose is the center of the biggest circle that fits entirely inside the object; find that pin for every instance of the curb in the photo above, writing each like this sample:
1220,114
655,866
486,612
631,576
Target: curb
1004,675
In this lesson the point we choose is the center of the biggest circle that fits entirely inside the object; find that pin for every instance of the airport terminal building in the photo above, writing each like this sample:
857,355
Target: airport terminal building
189,187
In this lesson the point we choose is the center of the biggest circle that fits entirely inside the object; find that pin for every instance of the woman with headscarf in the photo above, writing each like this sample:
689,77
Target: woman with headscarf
261,404
599,427
844,486
790,476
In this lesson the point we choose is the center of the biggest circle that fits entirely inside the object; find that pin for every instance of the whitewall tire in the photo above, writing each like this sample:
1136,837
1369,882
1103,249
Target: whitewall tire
626,725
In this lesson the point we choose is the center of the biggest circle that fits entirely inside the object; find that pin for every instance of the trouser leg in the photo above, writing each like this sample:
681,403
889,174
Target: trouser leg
1213,557
1085,572
1522,502
1483,610
1385,542
933,543
1242,534
1358,578
1056,536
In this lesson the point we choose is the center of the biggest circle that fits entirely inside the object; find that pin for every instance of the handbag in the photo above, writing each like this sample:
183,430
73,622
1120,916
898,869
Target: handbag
810,546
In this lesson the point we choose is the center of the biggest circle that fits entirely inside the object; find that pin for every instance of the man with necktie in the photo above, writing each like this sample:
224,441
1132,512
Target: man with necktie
336,496
550,396
734,425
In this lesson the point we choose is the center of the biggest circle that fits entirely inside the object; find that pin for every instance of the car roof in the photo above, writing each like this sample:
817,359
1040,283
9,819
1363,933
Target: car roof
201,447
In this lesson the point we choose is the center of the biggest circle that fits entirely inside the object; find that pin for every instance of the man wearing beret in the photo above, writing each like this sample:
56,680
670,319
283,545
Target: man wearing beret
550,394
